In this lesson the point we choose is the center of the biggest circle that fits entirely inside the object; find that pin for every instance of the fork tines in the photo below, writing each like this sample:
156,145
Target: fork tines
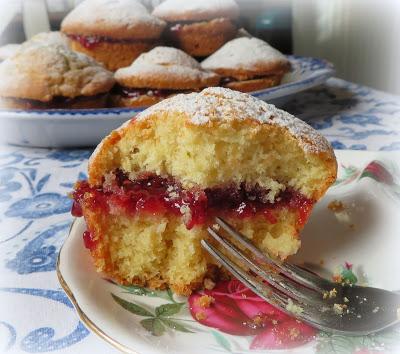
279,284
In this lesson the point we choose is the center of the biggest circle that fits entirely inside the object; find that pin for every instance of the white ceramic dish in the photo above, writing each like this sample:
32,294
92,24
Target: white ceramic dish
368,186
86,127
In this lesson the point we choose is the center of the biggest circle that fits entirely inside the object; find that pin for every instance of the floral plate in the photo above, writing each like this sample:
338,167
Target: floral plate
86,127
363,231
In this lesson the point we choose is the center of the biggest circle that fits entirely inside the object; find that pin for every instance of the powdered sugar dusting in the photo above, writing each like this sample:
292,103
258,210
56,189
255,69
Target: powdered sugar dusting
243,53
217,103
172,10
164,62
121,13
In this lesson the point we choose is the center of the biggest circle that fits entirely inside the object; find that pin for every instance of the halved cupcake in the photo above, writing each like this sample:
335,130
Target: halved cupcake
248,64
155,75
157,182
53,76
199,27
114,32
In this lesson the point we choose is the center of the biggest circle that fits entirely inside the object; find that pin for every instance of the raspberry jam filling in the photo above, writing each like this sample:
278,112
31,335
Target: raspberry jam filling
90,42
136,92
159,195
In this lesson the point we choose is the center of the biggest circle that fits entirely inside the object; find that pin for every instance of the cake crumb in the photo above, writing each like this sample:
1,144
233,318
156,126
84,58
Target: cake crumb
208,284
294,333
345,299
295,309
258,320
204,301
330,294
339,308
216,227
336,206
200,316
375,310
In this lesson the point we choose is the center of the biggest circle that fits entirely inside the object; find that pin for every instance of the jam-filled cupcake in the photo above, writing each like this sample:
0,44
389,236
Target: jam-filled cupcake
160,73
156,184
114,32
199,27
248,64
53,76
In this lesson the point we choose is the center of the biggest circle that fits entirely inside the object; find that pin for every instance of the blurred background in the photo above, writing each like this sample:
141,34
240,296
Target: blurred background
361,37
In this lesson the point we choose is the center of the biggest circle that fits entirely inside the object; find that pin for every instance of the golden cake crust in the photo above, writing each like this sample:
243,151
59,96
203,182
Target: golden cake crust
140,101
244,58
43,72
166,68
209,111
203,38
118,19
114,55
255,84
196,10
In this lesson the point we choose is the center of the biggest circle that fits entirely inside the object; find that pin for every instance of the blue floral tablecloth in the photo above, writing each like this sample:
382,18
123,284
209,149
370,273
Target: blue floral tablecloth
35,314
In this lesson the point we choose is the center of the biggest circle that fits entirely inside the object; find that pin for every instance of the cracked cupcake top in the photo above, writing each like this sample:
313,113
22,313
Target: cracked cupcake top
42,72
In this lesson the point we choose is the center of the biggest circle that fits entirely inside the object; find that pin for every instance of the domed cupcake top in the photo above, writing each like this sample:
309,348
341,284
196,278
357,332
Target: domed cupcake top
118,19
216,103
196,10
165,68
245,54
42,72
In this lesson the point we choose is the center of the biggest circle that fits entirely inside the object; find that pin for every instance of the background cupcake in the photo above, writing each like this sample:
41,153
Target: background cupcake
160,73
53,76
114,32
248,64
199,27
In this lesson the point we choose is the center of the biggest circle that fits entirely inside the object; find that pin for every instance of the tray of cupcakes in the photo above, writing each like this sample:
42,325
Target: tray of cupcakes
112,59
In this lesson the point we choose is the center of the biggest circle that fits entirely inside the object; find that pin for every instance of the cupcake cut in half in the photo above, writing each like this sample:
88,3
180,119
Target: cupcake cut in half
199,27
248,64
157,182
160,73
114,32
53,76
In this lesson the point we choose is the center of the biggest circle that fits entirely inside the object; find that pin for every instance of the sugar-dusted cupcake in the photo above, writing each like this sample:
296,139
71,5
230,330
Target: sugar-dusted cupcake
160,73
53,76
199,27
114,32
157,182
248,64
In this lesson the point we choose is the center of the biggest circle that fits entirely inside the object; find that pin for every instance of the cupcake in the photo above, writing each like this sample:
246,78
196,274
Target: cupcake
155,75
53,76
114,32
199,27
157,182
248,64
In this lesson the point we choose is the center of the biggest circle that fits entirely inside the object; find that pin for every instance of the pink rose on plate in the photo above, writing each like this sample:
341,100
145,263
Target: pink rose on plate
232,308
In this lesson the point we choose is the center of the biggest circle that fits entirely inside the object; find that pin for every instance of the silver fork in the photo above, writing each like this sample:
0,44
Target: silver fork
338,308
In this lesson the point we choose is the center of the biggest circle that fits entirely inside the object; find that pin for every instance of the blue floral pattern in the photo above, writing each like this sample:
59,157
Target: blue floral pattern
34,211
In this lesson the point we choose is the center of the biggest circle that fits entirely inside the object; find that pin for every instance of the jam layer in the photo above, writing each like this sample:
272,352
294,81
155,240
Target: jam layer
137,92
159,195
90,42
